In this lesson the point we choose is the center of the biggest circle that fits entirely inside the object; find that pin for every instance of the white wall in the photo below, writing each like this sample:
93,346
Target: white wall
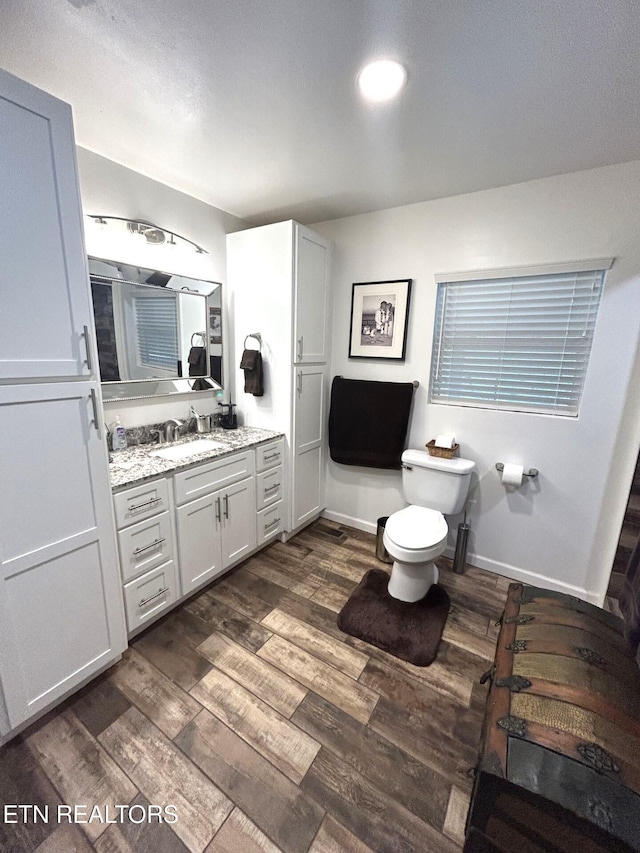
560,530
113,190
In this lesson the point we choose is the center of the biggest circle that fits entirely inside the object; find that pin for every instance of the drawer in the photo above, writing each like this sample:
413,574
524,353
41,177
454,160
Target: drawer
269,487
147,596
141,502
269,455
202,479
145,545
270,522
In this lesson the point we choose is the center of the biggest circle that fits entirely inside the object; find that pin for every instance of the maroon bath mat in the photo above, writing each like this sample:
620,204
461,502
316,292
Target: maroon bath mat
408,630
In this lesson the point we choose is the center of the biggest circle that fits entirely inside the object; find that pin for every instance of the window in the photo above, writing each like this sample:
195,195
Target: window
516,340
156,326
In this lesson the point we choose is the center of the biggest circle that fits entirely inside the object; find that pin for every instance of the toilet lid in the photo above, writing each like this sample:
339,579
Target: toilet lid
416,527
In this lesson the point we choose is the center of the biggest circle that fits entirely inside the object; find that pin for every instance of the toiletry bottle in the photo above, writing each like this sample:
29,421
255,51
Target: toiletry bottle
118,435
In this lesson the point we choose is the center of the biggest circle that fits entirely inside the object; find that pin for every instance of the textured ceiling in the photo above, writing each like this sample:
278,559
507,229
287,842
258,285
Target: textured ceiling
251,105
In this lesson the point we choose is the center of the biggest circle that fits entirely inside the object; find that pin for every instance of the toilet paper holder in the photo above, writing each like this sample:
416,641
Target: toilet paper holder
532,472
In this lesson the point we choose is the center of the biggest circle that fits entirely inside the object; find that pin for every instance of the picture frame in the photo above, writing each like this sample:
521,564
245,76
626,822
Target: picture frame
215,325
380,319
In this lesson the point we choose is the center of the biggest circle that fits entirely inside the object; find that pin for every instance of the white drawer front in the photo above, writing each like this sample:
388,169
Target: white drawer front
269,487
269,455
145,545
202,479
147,596
141,502
270,521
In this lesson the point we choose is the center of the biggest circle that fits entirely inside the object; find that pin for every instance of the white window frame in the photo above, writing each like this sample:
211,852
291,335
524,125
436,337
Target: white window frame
468,370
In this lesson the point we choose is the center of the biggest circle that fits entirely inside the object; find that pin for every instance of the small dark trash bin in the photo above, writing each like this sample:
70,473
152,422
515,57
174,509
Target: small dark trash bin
381,551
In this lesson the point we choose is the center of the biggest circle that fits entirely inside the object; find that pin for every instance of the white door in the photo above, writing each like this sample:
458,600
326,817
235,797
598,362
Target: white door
61,612
199,532
239,520
44,291
308,444
311,289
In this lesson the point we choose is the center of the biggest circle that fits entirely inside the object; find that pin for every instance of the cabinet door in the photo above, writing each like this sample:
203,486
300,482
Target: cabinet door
199,549
44,297
239,520
308,444
311,294
61,612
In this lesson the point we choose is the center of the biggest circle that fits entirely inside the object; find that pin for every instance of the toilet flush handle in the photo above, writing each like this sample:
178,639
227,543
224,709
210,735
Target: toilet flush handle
408,467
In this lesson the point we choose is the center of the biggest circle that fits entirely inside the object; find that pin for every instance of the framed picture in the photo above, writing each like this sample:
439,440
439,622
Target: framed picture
379,319
215,325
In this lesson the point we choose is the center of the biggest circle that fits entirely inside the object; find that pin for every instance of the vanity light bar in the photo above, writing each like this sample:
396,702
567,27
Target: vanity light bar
136,226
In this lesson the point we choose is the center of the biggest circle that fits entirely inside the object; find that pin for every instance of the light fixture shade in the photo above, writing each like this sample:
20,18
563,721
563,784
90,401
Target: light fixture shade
382,80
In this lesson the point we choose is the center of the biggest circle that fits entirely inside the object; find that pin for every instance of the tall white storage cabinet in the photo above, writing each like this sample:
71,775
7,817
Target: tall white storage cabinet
61,613
278,286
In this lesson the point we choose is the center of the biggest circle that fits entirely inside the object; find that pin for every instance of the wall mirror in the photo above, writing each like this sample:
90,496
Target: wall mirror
156,333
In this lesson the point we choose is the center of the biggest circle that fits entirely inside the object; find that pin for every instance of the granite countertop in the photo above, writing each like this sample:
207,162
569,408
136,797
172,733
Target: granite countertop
137,463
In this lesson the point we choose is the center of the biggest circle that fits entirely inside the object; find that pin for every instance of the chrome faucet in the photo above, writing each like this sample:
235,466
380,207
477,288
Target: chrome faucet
172,429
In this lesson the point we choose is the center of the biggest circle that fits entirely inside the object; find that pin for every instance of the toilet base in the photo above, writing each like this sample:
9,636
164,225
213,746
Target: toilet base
411,581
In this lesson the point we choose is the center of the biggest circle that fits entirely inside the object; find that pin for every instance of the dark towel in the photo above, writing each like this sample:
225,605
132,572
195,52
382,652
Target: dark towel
368,422
198,367
197,361
629,601
251,363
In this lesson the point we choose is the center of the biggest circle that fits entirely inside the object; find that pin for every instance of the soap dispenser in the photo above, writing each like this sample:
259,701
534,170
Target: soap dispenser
118,435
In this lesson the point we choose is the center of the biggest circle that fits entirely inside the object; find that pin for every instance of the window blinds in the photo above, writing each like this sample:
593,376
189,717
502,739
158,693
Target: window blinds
156,331
520,343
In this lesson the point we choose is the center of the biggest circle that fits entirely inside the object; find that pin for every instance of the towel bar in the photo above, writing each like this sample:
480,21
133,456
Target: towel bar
415,382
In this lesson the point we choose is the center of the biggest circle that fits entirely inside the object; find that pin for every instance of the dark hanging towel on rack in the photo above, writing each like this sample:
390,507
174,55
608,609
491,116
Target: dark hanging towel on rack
198,367
251,363
368,422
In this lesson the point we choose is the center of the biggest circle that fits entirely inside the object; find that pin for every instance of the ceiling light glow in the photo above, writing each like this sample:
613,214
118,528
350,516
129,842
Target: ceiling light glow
382,80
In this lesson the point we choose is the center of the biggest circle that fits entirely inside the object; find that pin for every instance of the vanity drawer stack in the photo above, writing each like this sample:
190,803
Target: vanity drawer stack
269,490
147,551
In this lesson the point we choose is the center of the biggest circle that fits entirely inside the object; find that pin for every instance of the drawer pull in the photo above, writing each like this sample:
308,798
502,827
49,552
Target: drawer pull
147,547
151,597
271,456
273,523
153,501
271,488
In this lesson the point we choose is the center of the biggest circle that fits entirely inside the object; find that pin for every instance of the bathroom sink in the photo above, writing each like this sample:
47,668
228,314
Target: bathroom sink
192,448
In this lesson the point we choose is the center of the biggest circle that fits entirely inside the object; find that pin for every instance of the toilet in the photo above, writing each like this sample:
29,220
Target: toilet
417,535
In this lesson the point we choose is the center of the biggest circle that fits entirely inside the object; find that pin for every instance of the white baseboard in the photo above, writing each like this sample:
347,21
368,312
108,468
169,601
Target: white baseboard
358,523
498,568
531,578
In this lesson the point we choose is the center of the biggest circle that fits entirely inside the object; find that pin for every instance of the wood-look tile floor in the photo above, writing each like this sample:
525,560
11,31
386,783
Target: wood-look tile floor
266,727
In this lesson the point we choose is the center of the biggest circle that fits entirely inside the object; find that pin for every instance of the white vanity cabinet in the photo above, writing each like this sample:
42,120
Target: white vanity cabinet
61,613
144,516
278,279
215,517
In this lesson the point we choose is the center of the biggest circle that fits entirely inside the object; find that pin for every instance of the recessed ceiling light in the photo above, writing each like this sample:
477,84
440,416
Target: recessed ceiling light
382,80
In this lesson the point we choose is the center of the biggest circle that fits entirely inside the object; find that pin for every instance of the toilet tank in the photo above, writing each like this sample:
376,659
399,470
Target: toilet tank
436,483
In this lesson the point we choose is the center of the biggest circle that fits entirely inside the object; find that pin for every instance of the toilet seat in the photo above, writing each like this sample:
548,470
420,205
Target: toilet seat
416,528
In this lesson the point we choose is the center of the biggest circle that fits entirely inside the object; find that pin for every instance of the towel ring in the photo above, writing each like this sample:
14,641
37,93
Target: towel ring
257,336
202,335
